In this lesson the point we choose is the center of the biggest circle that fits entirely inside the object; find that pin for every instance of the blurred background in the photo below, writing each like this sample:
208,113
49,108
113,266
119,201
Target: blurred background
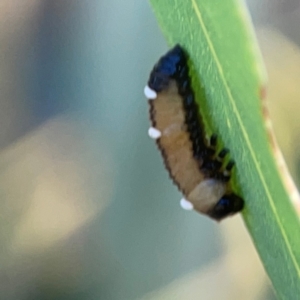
87,209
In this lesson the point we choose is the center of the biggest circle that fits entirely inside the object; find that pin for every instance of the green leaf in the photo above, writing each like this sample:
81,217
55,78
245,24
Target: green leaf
228,78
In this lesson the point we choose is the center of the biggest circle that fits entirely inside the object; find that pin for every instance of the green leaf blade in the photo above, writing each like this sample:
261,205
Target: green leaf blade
225,60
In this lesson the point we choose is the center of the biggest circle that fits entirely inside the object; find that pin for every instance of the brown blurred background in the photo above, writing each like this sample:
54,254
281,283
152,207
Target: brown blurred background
87,209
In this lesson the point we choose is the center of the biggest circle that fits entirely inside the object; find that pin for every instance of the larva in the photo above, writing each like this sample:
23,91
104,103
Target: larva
192,162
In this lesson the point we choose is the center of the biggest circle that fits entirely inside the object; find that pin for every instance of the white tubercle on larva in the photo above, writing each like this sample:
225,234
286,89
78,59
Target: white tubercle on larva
154,133
149,93
187,205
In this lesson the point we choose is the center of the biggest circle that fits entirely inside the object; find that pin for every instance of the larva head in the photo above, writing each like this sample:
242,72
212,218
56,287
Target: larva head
229,204
168,67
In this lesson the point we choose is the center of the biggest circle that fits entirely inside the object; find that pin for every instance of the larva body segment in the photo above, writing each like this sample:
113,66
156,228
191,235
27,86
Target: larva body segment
191,161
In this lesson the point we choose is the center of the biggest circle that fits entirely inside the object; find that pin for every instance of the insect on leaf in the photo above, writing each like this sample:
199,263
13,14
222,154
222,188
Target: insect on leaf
228,79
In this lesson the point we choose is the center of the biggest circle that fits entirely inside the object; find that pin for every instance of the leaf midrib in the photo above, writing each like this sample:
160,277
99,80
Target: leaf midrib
245,135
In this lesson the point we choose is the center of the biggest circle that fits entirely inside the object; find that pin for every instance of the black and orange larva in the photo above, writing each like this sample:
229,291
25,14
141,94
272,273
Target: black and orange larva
193,162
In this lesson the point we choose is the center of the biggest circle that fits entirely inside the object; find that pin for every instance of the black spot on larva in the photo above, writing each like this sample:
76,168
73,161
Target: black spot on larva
189,101
185,88
173,66
211,165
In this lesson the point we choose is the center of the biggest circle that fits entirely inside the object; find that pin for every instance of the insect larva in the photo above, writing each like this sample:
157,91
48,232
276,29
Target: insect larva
192,162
